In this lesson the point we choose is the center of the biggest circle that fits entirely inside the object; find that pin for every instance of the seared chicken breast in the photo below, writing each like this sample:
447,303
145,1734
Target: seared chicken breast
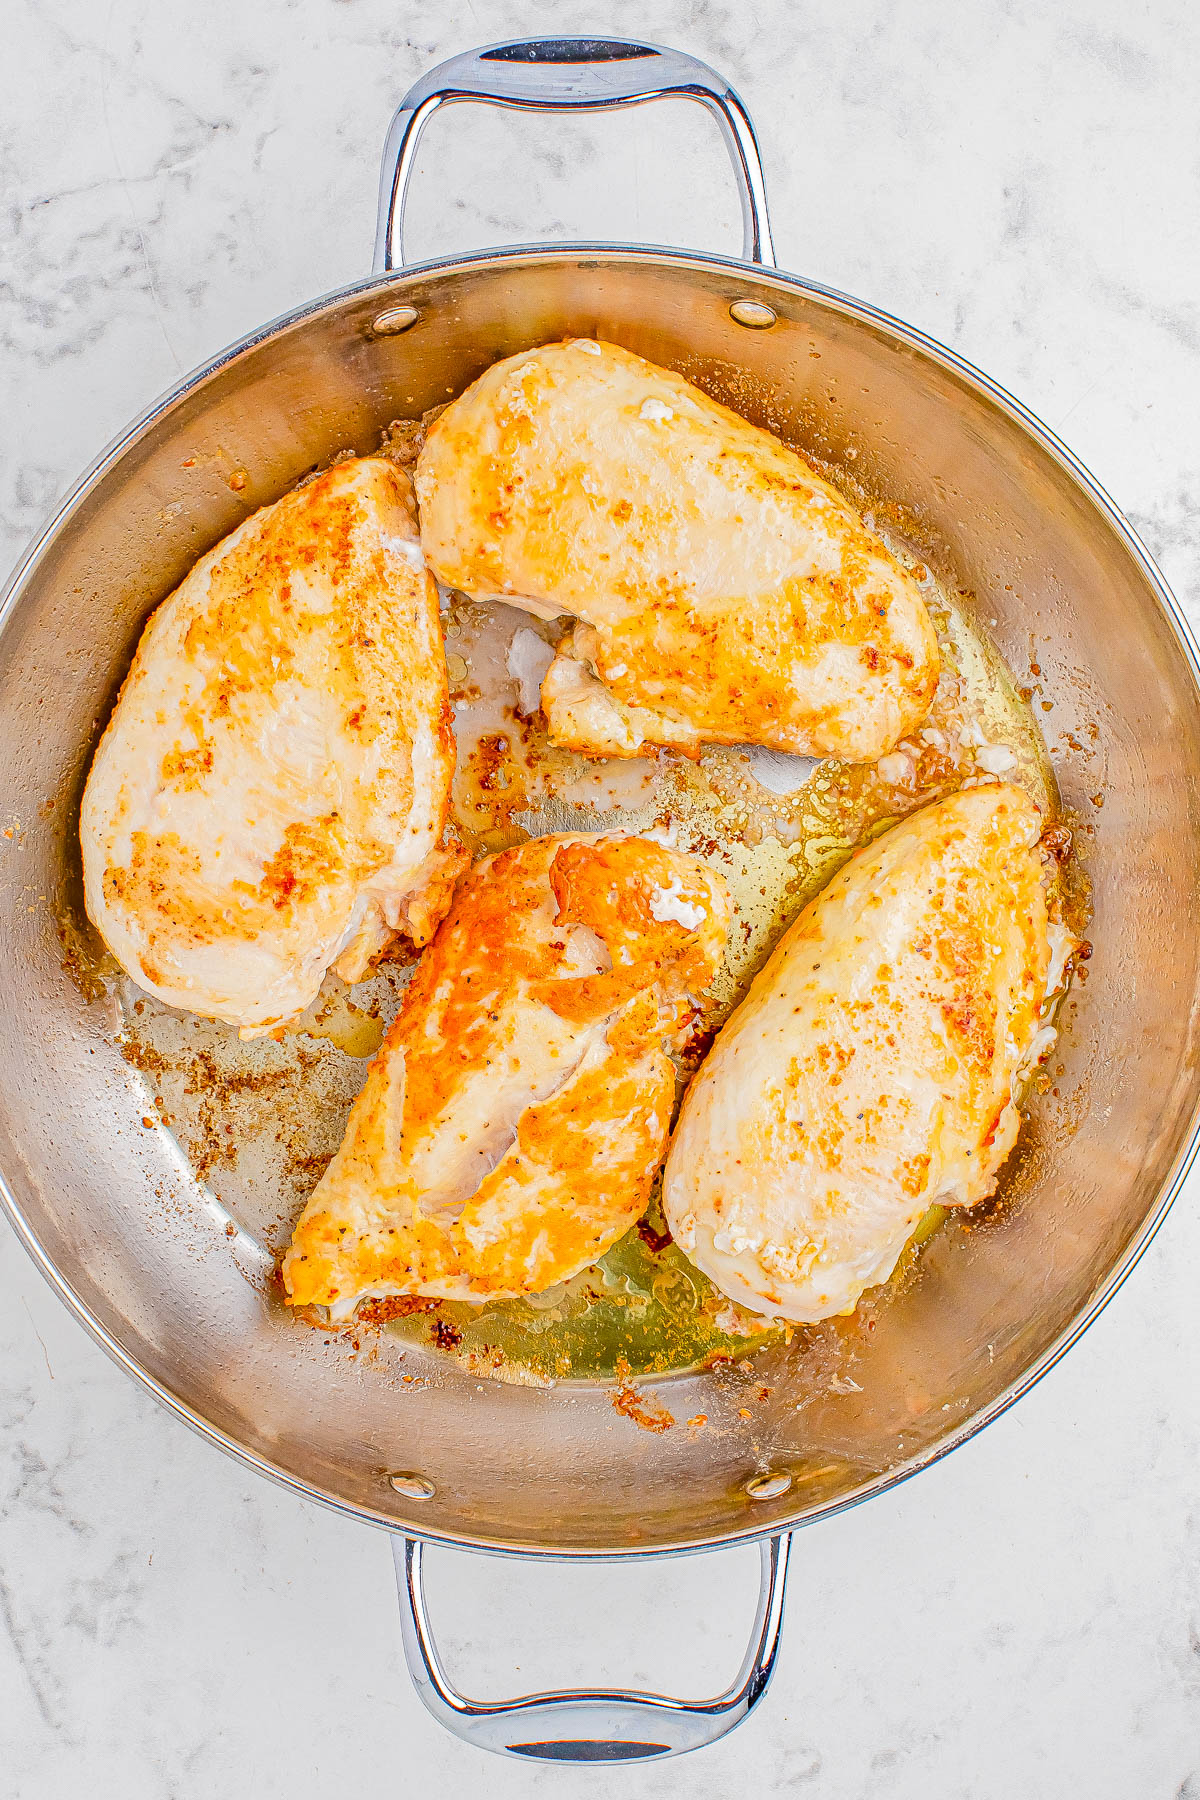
875,1067
724,592
515,1117
269,797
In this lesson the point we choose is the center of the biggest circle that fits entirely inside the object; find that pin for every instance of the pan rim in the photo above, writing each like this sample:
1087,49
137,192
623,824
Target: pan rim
1033,428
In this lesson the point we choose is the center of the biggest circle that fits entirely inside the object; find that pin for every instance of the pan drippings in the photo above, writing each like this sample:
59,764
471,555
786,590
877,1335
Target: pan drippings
258,1121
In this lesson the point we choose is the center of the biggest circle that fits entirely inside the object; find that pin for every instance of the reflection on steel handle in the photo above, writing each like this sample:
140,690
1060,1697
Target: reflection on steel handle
596,1725
575,74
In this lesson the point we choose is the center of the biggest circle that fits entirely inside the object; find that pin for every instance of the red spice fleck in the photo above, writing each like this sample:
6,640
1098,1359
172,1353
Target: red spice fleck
645,1411
1057,840
445,1335
654,1240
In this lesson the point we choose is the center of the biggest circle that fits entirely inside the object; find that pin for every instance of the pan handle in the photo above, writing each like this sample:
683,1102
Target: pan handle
573,74
592,1725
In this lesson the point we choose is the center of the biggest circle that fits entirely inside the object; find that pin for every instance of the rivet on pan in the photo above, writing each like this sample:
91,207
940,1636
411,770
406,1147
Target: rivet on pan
752,313
413,1487
768,1487
395,320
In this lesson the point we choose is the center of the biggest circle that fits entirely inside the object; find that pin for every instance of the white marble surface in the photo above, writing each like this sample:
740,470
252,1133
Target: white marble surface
1019,179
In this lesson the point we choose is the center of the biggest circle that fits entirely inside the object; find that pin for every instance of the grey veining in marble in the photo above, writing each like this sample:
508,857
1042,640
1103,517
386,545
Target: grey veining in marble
1020,180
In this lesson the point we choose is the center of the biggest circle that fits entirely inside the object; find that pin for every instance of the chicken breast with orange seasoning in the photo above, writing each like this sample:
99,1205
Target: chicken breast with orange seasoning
519,1108
724,591
269,798
876,1066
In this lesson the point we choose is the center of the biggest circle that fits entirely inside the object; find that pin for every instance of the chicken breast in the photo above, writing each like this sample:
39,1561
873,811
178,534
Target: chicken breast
875,1066
725,593
270,794
519,1108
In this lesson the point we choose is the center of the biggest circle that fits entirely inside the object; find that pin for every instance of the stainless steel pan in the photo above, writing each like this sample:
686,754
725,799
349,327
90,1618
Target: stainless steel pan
132,1241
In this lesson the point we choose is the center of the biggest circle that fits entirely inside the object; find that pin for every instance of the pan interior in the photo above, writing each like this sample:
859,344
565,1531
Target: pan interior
170,1253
